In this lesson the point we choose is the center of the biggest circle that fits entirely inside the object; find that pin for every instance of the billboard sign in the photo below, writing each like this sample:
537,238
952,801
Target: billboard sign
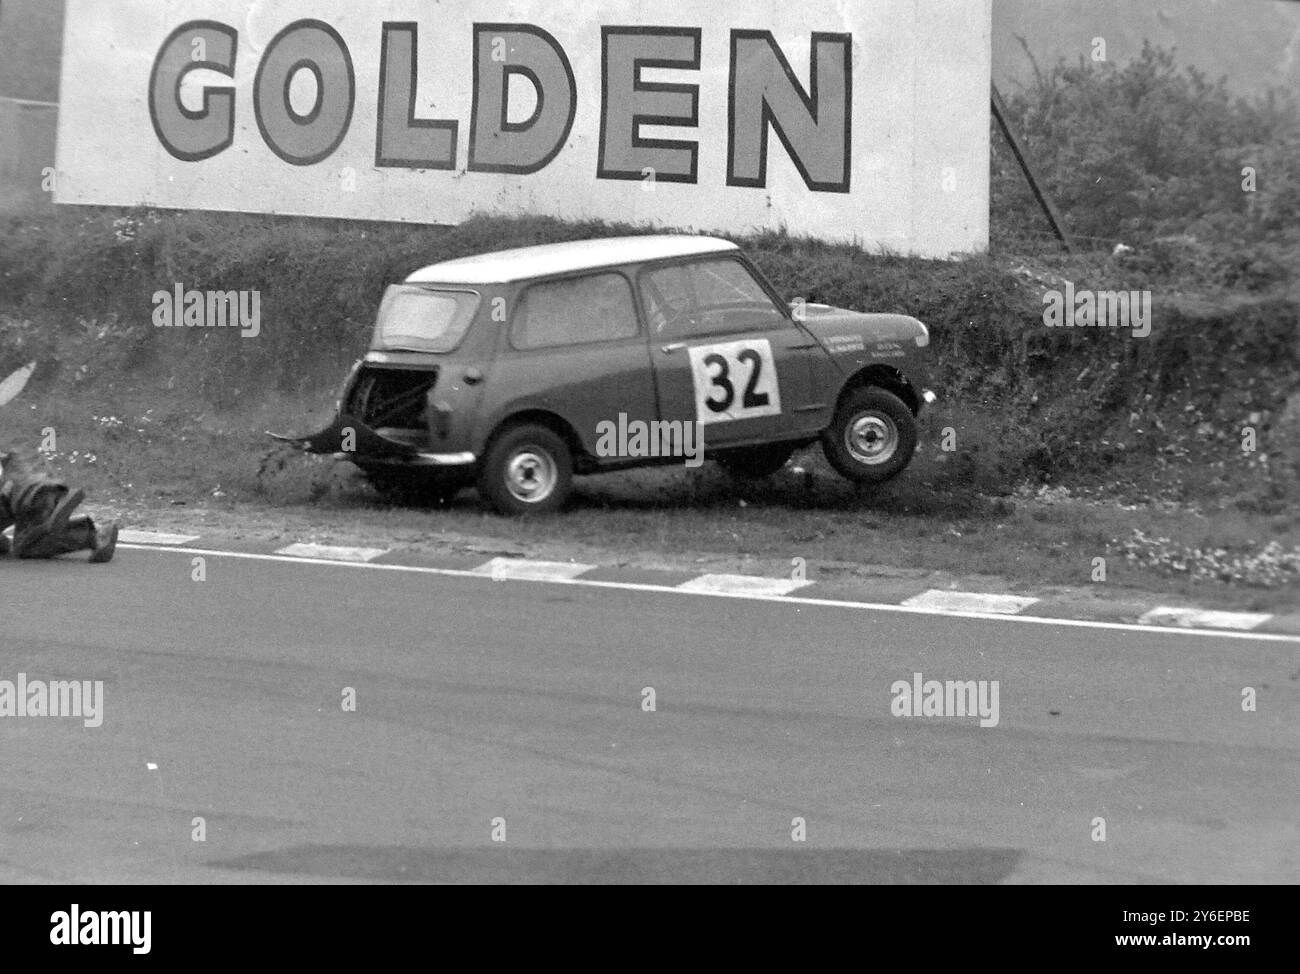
859,121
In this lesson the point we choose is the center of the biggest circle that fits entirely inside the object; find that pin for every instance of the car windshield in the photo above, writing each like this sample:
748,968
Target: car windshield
420,319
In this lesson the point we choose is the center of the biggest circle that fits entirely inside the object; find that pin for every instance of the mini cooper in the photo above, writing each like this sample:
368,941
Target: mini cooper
515,371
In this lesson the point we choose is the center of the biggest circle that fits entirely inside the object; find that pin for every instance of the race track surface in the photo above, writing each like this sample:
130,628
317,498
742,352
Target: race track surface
518,708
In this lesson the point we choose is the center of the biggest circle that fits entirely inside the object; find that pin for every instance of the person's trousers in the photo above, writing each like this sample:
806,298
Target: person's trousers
31,514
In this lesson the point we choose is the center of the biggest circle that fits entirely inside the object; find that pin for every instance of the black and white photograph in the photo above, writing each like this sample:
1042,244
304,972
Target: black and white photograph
513,442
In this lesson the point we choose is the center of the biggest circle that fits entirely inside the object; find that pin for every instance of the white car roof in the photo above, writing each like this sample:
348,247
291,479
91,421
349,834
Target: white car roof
524,263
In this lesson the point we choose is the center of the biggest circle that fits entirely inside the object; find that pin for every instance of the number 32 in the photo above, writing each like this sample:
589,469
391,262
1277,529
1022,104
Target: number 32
719,369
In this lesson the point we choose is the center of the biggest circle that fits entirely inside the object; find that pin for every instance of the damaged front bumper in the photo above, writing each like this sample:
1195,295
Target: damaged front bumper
347,438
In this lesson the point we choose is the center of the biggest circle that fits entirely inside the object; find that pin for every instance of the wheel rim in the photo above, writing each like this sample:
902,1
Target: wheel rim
871,438
531,476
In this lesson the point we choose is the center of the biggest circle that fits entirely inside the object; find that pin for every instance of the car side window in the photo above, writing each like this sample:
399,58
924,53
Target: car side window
666,290
596,308
706,297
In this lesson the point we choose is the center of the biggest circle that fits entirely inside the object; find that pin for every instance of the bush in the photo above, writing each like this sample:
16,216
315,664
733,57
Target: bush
1147,151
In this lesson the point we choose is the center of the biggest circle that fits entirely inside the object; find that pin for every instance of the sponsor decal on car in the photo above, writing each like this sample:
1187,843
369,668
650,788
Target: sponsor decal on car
844,344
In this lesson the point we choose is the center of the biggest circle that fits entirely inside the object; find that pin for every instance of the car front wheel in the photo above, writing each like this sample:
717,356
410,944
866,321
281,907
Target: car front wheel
527,470
872,437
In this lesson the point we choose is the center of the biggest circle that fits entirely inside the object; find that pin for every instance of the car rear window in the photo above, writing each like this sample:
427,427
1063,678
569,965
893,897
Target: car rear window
597,308
420,319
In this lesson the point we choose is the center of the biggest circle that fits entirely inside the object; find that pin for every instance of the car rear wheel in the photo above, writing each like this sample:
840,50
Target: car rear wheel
527,470
753,463
872,437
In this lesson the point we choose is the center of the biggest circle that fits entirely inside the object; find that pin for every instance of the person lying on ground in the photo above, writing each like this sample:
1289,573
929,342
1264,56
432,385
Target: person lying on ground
40,506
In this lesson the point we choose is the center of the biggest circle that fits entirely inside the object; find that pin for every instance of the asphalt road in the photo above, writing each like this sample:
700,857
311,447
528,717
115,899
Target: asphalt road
479,700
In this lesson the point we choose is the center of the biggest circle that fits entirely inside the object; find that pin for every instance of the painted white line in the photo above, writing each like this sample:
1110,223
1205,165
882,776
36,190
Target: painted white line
325,552
937,600
740,585
532,571
1204,619
127,536
1255,637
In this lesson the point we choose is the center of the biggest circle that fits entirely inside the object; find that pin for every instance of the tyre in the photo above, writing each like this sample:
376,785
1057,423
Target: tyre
528,470
755,462
872,437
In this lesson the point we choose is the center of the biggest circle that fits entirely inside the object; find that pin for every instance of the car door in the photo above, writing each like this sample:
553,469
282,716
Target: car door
575,348
727,355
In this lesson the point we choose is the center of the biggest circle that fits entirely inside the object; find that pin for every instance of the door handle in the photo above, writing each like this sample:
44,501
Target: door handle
674,347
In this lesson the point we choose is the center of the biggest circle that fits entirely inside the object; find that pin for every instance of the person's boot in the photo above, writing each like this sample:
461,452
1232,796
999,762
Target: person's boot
105,544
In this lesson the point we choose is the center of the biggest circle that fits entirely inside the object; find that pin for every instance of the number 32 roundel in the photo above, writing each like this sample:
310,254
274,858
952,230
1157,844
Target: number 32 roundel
734,380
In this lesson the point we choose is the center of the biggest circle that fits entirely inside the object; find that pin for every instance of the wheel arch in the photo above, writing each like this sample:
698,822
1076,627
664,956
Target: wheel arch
539,417
884,377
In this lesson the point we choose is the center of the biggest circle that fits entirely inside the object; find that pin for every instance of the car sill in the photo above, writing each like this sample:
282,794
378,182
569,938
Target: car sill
425,459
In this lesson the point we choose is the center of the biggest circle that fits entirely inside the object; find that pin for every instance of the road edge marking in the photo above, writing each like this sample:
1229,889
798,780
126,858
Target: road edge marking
342,554
721,584
787,599
982,602
1181,617
159,538
528,570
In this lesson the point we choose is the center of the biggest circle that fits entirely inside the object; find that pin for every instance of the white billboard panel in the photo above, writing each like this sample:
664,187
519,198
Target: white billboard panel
856,121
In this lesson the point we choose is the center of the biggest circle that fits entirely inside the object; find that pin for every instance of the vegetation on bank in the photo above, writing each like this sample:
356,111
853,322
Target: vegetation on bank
1027,402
